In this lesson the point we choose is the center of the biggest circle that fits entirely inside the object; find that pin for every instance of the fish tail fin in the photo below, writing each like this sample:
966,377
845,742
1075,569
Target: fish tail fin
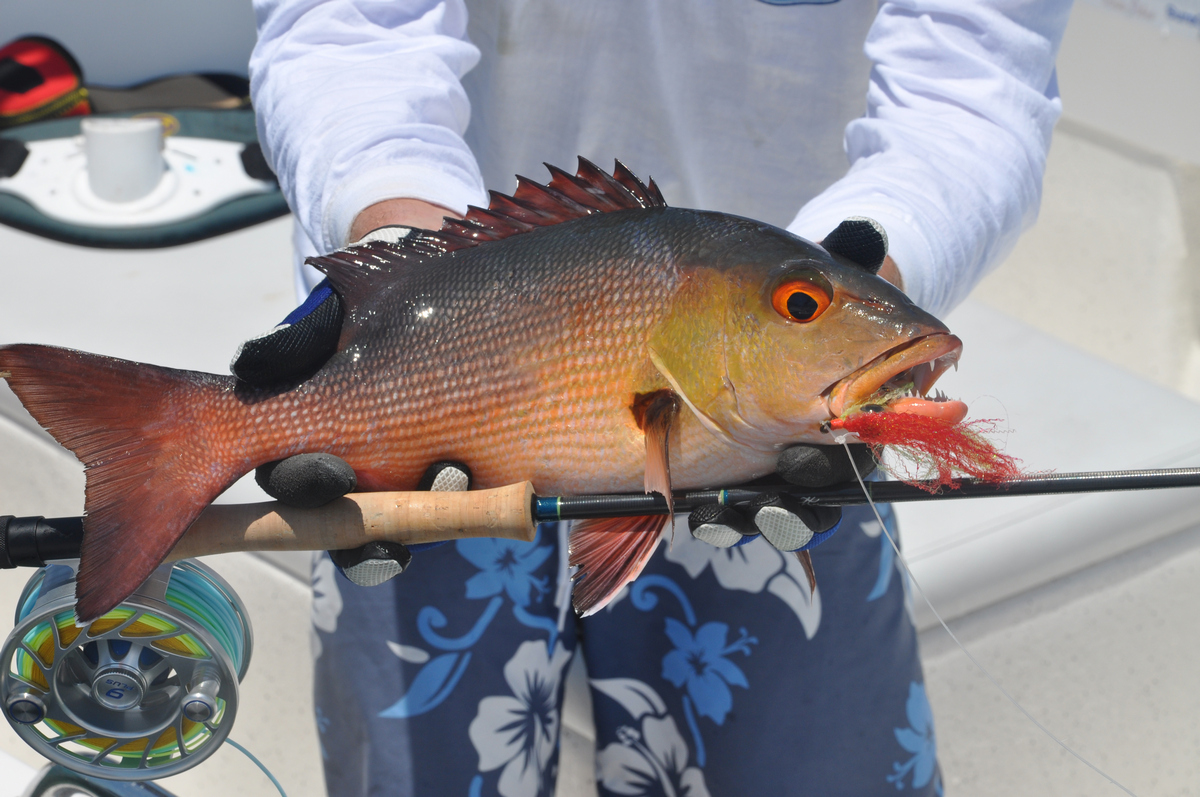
610,553
144,434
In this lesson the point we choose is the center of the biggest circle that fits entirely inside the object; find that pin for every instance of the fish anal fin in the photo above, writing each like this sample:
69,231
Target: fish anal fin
610,553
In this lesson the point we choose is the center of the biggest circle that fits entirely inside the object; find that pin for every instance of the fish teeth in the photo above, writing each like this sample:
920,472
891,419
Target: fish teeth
923,377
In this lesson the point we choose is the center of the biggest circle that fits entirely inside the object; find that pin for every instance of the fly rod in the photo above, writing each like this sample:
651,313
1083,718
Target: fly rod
582,507
512,512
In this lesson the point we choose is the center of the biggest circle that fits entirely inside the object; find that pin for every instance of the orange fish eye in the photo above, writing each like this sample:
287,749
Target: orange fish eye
800,300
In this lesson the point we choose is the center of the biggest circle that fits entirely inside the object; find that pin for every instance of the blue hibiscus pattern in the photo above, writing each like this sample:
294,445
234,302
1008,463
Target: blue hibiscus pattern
661,747
918,739
701,662
507,568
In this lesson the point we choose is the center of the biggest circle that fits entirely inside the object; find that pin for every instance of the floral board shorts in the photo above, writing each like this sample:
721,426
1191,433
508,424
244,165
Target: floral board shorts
714,673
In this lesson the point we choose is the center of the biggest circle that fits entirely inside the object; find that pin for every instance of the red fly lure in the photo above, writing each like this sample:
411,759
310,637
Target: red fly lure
934,449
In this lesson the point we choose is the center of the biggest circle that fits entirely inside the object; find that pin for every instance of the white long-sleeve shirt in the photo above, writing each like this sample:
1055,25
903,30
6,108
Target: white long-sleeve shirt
731,105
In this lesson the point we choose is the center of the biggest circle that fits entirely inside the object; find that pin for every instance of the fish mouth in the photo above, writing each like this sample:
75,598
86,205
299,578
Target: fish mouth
900,379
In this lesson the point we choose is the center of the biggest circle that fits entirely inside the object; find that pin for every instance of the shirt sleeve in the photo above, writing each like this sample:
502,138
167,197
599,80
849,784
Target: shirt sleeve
950,154
390,125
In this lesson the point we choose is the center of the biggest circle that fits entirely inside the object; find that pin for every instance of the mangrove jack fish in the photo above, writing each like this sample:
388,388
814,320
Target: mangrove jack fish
580,335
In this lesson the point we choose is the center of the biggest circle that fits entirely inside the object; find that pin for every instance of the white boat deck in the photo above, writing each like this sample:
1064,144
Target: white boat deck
187,307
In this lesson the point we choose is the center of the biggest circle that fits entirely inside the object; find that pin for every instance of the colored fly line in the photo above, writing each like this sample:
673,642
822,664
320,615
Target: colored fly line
197,596
203,601
913,580
259,764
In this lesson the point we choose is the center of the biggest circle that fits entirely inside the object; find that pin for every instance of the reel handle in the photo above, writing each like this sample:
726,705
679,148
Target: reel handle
359,518
348,522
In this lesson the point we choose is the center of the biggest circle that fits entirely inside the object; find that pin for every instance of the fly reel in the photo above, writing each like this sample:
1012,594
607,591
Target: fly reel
148,690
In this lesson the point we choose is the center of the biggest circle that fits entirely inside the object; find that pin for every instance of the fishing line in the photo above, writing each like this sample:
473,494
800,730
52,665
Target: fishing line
259,764
908,572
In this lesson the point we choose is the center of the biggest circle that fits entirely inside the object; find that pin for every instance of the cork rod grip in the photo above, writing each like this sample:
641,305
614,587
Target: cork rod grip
359,518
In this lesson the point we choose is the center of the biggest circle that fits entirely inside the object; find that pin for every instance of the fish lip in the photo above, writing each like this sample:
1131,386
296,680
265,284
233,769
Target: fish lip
939,351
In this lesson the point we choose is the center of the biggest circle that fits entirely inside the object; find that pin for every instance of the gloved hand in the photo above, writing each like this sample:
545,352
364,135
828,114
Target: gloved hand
300,345
311,480
784,521
290,353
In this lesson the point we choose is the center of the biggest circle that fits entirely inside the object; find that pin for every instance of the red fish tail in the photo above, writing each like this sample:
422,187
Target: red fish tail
147,438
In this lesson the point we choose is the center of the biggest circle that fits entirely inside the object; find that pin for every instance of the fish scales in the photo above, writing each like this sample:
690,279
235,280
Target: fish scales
518,358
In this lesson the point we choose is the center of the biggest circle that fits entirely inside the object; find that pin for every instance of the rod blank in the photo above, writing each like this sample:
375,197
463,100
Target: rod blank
582,507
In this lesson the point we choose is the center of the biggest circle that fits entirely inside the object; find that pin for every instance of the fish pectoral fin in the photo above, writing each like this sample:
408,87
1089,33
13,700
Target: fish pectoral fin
806,562
655,413
610,553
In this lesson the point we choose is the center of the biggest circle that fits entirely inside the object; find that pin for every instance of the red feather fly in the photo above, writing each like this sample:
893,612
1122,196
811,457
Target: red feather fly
936,448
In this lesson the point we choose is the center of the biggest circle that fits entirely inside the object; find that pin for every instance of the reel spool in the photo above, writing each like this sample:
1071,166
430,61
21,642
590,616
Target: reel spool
148,690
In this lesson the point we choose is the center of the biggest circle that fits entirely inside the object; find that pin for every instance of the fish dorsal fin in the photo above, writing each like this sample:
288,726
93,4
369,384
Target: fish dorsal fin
611,552
358,271
565,198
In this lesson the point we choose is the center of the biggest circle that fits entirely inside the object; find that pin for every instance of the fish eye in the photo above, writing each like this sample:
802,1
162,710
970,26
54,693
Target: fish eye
800,300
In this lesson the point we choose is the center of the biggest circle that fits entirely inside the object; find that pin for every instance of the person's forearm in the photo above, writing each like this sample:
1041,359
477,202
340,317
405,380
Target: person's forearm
358,102
404,212
950,155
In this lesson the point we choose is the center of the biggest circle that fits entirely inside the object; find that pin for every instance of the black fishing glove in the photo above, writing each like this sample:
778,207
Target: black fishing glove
289,353
300,345
860,240
311,480
786,522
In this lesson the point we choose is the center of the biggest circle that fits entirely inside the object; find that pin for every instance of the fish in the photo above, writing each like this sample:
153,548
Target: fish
581,335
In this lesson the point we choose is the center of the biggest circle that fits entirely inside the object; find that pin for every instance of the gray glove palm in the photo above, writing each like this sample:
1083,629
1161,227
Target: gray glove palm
784,520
